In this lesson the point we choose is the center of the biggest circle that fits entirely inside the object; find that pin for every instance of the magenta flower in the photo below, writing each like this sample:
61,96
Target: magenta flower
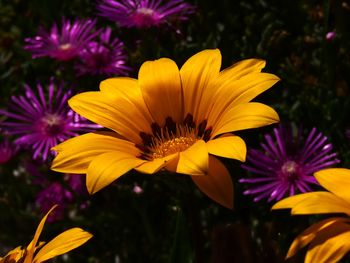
105,57
77,184
7,151
64,43
144,13
287,163
41,122
55,193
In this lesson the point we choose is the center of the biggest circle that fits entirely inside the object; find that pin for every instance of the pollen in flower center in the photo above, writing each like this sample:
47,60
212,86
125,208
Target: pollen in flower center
167,143
145,17
145,11
51,124
65,46
172,137
289,170
169,147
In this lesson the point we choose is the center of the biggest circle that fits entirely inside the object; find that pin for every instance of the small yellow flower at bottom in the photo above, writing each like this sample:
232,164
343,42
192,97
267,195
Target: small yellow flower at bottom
39,252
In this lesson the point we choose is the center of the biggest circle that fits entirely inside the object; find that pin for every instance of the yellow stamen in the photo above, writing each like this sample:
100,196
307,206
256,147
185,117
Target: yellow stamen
168,143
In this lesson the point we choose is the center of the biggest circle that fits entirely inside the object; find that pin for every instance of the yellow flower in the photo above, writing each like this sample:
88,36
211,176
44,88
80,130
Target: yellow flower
328,239
36,253
171,119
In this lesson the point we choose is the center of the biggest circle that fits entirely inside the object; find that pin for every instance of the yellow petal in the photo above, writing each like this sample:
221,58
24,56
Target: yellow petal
13,256
61,244
107,167
230,92
329,245
245,116
314,203
291,201
127,89
242,68
229,147
217,184
32,245
335,180
310,233
161,89
196,75
114,112
155,165
75,154
194,161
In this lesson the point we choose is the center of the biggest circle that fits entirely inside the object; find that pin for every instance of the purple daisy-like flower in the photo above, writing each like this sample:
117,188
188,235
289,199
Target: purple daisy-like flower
105,57
41,122
287,163
62,43
144,13
55,193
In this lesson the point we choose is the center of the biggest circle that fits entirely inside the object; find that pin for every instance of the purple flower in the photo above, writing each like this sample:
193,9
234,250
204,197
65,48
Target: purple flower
287,163
330,36
64,43
144,13
55,193
103,57
77,183
7,151
40,121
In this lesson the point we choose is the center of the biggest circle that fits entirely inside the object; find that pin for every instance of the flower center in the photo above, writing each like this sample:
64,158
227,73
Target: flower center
51,125
290,170
145,17
65,47
145,11
172,138
169,144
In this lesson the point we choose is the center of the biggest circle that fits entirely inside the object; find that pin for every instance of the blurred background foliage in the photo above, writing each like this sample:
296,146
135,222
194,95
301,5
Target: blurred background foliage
170,221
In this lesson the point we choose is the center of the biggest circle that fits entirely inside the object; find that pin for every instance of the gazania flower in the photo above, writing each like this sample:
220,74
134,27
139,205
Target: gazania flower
62,43
37,252
41,122
328,239
287,163
170,119
105,57
144,13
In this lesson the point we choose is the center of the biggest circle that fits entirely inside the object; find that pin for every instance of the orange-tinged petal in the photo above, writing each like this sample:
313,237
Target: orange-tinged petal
194,160
155,165
291,201
115,113
196,75
32,245
310,233
242,68
217,184
230,92
314,203
127,89
330,245
229,147
75,154
107,167
66,241
161,89
13,256
245,116
335,180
